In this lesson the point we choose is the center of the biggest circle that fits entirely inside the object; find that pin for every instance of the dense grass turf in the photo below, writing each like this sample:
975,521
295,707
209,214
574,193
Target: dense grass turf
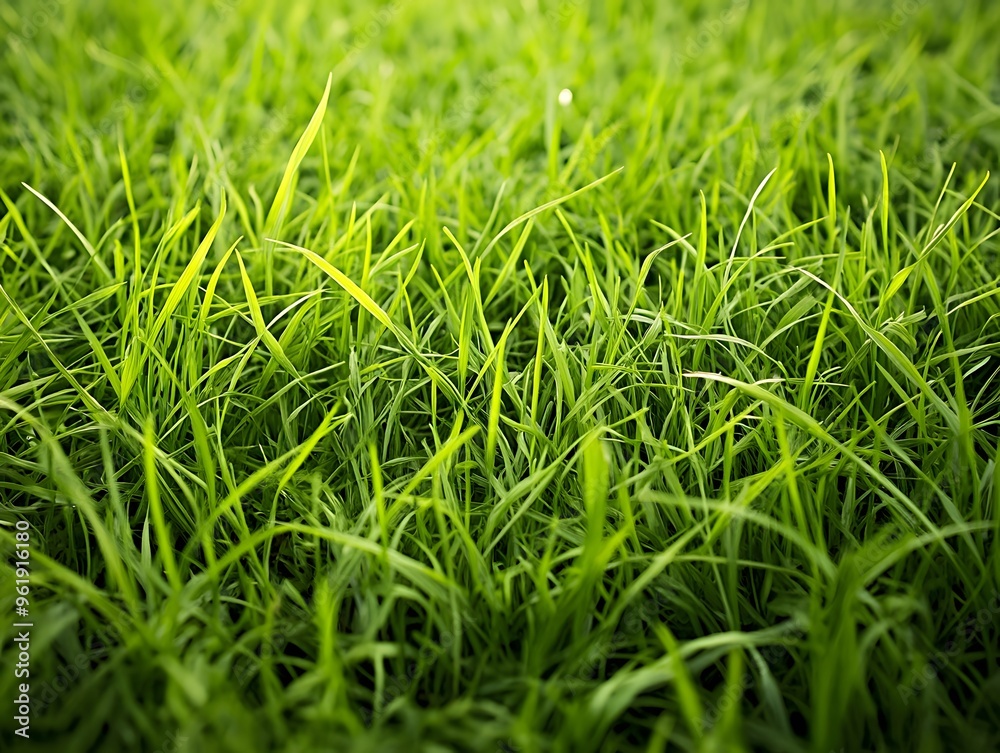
406,408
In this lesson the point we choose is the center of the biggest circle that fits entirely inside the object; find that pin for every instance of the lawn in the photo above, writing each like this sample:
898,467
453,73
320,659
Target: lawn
517,377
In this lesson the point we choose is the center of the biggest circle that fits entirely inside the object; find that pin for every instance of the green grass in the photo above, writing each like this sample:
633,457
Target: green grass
360,396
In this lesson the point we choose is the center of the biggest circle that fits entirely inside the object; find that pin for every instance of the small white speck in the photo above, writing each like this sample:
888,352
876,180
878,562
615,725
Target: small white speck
386,68
565,97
